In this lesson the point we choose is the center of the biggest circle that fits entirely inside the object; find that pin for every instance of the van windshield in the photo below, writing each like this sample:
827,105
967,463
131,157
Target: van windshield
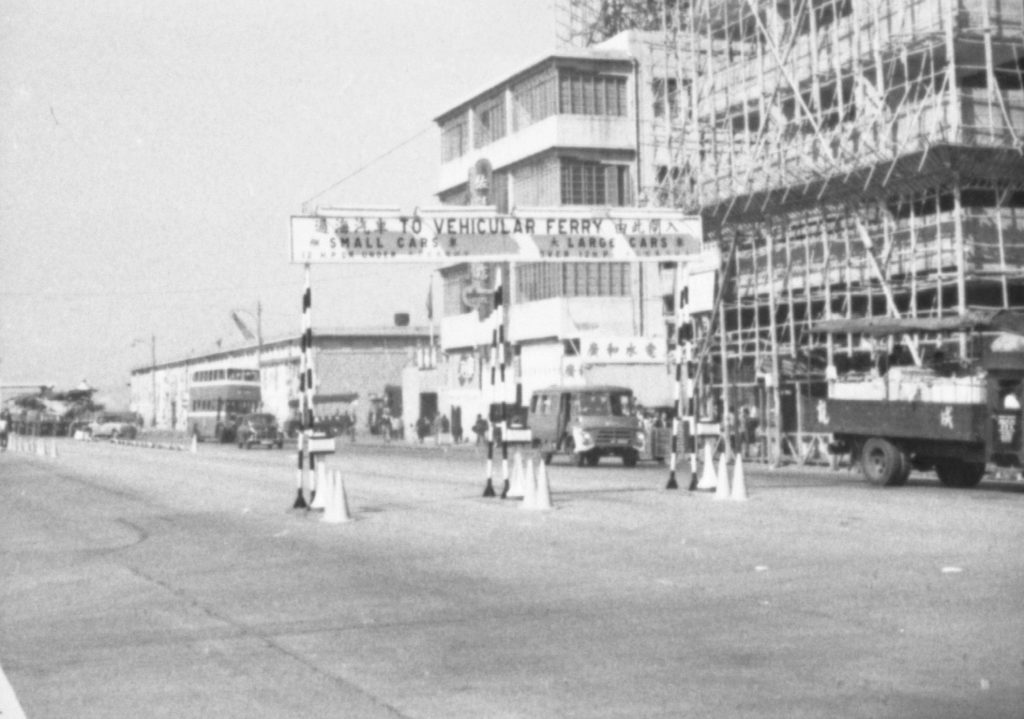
615,404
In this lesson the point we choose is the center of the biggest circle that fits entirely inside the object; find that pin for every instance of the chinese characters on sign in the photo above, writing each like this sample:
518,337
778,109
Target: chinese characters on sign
434,237
605,349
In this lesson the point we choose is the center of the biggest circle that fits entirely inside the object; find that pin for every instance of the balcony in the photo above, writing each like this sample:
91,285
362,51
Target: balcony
568,131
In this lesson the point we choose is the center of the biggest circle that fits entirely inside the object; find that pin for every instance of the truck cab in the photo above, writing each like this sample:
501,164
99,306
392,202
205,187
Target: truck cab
586,423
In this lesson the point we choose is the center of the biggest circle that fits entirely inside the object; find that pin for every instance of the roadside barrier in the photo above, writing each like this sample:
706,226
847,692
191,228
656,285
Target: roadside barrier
536,491
515,485
173,446
32,445
336,502
529,480
708,480
722,490
317,497
739,481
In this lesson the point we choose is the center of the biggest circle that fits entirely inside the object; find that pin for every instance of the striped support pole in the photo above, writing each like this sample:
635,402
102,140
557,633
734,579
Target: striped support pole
310,384
499,305
304,370
496,321
680,295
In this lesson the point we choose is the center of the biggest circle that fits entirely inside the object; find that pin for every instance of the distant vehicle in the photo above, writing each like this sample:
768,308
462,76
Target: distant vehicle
261,429
217,398
115,425
586,423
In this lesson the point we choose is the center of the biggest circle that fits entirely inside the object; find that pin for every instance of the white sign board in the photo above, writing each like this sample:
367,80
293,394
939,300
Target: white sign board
450,234
611,349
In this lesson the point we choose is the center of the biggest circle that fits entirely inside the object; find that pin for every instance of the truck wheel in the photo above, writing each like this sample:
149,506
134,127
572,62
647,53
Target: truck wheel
547,456
958,473
883,462
629,459
592,458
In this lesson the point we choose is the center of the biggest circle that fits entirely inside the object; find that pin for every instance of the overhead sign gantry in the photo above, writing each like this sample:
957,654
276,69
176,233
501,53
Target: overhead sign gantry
480,234
475,233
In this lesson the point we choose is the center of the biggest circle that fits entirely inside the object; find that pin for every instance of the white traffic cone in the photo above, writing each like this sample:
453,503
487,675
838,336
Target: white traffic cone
515,485
529,487
337,500
739,481
195,444
53,449
543,490
320,488
722,490
708,480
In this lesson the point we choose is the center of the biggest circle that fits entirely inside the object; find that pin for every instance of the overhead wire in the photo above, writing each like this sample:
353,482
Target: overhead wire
368,165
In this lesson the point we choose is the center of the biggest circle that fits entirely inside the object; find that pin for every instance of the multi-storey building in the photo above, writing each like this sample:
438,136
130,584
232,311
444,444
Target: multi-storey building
560,134
852,158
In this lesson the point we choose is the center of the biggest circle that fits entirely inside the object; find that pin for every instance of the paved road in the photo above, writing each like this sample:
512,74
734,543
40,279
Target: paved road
152,583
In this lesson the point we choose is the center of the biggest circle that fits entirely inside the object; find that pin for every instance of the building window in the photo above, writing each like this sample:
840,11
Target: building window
593,183
540,281
489,122
535,99
453,140
590,94
658,89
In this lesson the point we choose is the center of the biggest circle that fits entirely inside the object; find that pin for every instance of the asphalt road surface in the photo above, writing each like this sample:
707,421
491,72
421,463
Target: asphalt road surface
154,583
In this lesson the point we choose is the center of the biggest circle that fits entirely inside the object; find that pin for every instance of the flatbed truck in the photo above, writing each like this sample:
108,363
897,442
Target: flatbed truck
956,423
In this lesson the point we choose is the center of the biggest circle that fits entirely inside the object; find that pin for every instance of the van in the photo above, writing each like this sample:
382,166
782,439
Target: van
586,423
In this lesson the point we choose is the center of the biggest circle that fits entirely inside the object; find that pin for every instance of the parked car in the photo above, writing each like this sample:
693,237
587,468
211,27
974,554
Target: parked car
114,425
260,428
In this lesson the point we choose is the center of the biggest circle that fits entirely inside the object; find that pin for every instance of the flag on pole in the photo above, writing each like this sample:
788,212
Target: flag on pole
246,332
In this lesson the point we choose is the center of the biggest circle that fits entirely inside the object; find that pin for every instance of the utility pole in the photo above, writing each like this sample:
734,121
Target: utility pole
259,349
152,373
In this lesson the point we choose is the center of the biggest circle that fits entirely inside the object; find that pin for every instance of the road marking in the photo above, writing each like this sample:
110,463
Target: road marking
9,706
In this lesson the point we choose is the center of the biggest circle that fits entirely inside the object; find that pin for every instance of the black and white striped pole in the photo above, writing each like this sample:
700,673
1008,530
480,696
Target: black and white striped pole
305,385
496,353
680,352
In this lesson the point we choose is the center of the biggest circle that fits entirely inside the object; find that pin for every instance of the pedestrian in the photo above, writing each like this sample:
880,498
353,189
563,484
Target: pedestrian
422,428
5,427
751,429
457,428
480,429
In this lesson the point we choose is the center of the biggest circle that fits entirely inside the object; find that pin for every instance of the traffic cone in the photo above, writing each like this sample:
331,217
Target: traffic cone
739,482
708,480
337,500
722,490
543,490
53,449
515,485
318,502
529,487
195,444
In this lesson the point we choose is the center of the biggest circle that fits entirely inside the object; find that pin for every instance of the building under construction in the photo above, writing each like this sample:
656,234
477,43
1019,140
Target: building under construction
853,158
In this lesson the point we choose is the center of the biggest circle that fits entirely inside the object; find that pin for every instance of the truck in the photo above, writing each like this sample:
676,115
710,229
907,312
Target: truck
953,418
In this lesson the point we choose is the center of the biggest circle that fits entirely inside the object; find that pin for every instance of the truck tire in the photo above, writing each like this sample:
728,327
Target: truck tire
629,459
883,463
958,473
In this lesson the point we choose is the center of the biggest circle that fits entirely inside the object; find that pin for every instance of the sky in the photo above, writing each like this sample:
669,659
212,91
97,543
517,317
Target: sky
152,153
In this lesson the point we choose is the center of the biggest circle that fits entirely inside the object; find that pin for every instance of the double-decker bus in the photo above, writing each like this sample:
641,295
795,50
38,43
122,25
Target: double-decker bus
217,398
